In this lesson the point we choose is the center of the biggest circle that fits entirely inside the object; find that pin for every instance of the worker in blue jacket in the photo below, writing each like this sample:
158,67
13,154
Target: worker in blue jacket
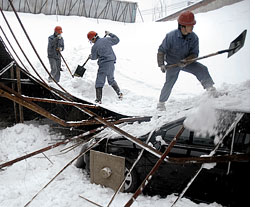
55,46
179,46
102,50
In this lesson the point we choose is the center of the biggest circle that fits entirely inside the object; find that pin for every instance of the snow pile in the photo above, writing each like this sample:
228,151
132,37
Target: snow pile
21,181
203,119
24,140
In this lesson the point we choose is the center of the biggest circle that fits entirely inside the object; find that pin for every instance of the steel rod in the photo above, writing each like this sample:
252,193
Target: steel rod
11,162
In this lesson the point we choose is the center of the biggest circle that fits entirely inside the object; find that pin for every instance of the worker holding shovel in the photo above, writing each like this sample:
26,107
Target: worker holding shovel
102,50
179,46
55,46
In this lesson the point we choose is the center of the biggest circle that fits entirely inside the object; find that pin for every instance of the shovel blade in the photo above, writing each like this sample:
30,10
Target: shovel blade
79,72
237,44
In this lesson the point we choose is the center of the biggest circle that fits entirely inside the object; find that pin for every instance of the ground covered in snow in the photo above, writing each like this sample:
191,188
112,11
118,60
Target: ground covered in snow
140,81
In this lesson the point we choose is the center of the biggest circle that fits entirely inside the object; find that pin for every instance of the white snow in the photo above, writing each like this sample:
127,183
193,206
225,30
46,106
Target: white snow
140,81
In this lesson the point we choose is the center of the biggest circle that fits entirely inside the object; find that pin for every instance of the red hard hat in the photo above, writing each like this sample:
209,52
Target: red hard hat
186,18
91,35
58,29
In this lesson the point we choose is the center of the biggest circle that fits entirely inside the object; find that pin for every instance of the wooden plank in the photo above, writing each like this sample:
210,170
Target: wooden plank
32,107
14,103
21,114
59,102
6,68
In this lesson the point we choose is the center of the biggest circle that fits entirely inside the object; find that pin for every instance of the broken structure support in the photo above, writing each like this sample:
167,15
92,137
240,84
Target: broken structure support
238,118
21,115
91,132
59,102
13,88
30,105
27,102
155,168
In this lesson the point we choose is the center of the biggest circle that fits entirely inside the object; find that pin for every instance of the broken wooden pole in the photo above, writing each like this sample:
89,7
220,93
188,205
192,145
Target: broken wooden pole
31,106
69,103
21,114
13,88
14,96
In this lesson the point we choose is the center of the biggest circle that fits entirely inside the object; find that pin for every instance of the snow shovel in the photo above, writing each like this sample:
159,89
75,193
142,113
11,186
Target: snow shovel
80,70
66,64
235,45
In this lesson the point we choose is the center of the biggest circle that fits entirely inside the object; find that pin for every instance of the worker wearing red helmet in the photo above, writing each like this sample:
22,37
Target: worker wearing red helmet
178,46
55,46
103,52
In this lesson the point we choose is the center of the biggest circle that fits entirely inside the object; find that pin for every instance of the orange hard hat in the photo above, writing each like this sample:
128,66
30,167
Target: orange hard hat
186,18
91,35
58,29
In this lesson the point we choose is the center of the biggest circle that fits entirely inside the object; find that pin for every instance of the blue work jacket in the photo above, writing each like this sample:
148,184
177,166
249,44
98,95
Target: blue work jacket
53,44
176,47
102,49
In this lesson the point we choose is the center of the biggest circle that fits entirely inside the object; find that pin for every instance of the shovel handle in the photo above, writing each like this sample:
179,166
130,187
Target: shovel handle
89,57
66,64
198,58
86,61
235,45
212,54
223,51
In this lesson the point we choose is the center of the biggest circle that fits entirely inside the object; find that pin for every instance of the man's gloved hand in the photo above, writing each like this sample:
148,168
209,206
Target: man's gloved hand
59,36
90,56
183,63
107,32
163,68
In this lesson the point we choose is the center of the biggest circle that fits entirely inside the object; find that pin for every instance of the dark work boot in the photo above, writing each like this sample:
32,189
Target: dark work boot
117,90
99,92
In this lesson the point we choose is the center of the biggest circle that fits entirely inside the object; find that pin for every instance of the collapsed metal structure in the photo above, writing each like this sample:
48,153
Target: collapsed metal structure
122,11
26,90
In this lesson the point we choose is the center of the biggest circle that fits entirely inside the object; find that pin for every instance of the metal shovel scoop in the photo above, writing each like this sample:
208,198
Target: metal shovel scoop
80,70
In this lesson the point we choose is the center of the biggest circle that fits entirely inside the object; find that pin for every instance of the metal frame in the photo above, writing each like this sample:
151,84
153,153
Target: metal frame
99,9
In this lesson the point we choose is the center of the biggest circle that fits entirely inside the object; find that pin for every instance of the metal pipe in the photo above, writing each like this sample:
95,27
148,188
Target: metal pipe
20,46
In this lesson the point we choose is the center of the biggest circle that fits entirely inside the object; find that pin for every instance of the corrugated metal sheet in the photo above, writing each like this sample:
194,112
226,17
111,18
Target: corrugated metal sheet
122,11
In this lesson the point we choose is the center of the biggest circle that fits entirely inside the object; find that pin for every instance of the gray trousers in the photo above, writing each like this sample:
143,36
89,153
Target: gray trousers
195,68
55,65
106,70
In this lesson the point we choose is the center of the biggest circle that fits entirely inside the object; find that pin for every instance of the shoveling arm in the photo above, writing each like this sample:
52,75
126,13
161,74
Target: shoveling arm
189,61
235,45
